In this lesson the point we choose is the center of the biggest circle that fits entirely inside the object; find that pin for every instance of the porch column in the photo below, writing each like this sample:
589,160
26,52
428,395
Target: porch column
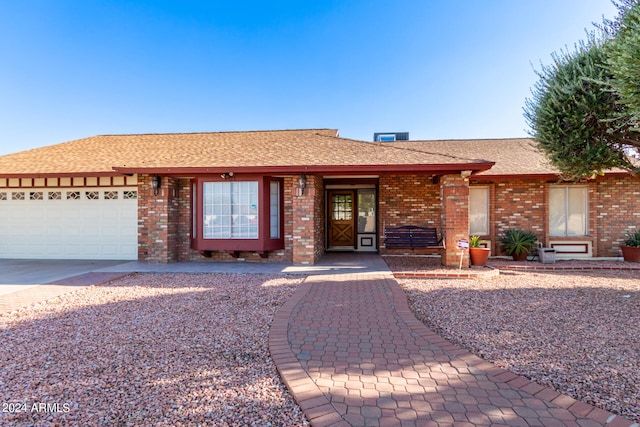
454,217
159,221
308,221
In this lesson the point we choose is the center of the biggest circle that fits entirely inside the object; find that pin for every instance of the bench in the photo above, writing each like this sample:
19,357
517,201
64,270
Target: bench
411,236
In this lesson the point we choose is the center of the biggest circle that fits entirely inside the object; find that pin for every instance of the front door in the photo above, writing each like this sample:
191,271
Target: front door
341,219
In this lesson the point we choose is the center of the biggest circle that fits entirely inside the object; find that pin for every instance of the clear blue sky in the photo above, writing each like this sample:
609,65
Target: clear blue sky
438,69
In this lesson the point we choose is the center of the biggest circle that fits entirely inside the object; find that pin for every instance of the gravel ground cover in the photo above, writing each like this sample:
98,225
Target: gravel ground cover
148,350
576,331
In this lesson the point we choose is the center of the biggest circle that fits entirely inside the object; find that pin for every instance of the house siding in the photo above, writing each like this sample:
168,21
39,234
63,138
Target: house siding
417,200
407,200
616,209
454,192
613,206
308,233
164,220
517,204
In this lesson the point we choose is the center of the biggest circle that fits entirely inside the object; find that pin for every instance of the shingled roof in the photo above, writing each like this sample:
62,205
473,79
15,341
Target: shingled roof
255,151
276,151
513,156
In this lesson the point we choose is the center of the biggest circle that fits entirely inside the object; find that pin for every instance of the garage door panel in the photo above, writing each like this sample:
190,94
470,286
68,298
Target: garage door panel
55,249
111,250
109,231
68,224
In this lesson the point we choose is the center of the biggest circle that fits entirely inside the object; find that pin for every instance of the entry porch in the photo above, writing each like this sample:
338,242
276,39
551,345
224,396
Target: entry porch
350,214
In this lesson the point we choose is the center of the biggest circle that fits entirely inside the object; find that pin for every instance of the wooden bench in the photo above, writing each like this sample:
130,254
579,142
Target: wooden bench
411,236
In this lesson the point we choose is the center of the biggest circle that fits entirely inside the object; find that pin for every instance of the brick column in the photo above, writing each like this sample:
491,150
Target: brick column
162,220
454,216
308,221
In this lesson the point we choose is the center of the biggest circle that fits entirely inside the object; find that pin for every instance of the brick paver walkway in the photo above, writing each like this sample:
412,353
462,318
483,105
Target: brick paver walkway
352,354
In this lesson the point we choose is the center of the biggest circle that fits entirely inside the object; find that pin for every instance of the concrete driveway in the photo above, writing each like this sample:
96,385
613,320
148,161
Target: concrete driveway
21,281
19,274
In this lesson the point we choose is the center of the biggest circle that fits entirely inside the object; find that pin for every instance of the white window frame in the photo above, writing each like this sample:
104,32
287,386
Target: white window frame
482,230
231,213
564,212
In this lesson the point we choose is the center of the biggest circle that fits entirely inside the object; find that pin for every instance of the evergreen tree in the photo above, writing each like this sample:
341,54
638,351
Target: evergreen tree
624,57
577,116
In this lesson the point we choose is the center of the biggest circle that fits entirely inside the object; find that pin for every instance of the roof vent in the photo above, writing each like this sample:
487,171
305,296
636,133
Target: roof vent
390,136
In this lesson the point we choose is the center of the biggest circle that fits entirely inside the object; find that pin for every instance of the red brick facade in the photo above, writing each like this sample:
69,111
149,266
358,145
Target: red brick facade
516,204
613,206
418,200
408,200
165,219
454,192
308,232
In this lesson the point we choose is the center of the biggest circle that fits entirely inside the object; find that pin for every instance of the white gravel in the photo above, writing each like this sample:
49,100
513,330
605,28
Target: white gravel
578,332
148,350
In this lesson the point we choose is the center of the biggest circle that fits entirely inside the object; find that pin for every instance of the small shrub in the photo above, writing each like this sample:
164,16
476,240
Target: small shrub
632,238
516,242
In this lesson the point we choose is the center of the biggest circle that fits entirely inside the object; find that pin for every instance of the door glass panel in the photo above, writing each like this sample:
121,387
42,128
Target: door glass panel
366,211
342,207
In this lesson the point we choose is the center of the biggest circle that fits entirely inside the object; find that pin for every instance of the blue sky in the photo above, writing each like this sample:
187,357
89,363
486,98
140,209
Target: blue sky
438,69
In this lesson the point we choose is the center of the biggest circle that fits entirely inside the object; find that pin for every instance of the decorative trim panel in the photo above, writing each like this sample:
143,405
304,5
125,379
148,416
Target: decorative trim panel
76,181
572,249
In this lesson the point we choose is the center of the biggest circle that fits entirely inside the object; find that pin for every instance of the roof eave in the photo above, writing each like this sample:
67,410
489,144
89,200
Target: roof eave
343,169
60,174
548,175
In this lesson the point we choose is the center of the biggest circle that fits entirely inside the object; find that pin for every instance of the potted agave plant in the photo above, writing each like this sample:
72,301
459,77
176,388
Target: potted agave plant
518,243
631,246
478,254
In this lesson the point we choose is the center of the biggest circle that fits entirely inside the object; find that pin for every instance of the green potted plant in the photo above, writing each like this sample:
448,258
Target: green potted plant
631,246
518,243
478,254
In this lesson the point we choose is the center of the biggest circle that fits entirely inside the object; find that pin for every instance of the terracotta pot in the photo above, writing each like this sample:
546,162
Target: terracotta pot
630,253
522,256
479,256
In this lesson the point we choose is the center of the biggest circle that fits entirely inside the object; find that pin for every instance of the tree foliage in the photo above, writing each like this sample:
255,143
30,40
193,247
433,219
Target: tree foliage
624,57
576,116
585,107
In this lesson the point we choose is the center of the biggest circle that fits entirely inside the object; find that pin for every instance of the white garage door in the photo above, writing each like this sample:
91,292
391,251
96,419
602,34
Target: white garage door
74,223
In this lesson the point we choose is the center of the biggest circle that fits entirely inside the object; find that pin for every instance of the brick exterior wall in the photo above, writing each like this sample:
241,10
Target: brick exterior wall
289,192
164,225
416,200
407,200
278,256
153,228
454,192
517,204
308,232
615,210
614,207
164,220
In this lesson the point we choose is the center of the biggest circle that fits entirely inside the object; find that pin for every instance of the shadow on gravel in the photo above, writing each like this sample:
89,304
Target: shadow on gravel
174,349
